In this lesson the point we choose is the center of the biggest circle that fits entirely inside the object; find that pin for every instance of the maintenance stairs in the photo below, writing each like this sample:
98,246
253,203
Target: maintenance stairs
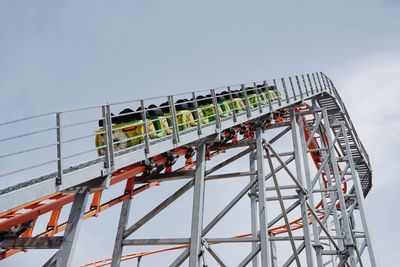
337,112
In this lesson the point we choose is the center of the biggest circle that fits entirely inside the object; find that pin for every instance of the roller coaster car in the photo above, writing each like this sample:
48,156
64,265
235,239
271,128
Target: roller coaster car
128,127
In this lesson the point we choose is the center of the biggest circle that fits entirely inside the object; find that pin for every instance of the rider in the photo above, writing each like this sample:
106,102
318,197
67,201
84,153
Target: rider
159,121
199,112
119,137
223,105
252,97
273,92
209,109
238,104
262,94
203,107
184,115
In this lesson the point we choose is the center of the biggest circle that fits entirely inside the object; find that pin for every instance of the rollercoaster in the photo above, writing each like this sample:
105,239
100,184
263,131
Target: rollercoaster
179,137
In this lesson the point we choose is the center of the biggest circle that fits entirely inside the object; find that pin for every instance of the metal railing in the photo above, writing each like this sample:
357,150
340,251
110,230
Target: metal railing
60,139
332,90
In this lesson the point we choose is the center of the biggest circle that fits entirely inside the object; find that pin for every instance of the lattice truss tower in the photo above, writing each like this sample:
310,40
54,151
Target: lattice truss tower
285,191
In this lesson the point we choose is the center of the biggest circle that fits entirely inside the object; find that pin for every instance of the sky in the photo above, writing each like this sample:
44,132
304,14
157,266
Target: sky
61,55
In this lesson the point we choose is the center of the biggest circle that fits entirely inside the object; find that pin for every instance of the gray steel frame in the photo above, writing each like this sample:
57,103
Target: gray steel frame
325,246
336,245
64,179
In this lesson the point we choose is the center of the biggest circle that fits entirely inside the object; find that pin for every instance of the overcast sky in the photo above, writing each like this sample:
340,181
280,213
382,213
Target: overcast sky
58,55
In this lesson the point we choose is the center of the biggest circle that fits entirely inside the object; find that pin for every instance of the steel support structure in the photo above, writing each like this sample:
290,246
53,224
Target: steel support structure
312,179
198,208
304,182
63,257
253,206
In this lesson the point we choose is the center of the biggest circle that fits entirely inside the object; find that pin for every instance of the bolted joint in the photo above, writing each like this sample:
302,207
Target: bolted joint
150,167
318,247
302,193
253,195
344,254
171,158
229,134
189,152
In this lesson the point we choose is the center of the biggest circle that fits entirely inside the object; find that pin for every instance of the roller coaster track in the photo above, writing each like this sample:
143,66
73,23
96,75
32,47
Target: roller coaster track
22,204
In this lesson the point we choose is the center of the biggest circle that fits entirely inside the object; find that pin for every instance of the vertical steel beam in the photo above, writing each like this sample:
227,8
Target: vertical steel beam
110,143
122,225
269,102
253,207
360,197
279,98
197,112
108,138
319,82
262,201
216,109
315,82
309,82
232,104
333,196
303,197
145,131
299,86
305,85
317,243
285,90
291,86
258,97
64,255
60,171
325,79
198,207
246,101
274,256
174,121
345,218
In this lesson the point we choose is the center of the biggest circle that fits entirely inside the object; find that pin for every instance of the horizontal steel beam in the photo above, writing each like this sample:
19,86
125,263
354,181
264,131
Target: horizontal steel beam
186,241
215,240
47,242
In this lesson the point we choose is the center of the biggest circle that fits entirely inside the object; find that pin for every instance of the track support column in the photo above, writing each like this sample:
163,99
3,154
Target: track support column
262,201
345,216
274,256
317,244
122,225
360,198
198,207
253,207
303,197
64,256
123,220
